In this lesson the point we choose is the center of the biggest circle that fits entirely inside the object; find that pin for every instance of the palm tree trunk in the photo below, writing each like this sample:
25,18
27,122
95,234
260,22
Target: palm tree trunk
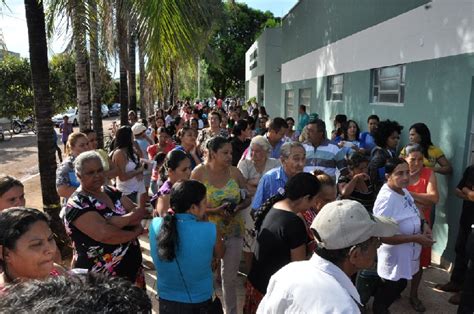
44,111
122,43
132,78
82,87
95,75
141,66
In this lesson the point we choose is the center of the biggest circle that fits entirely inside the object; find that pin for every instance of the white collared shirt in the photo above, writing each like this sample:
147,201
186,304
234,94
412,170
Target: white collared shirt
400,261
314,286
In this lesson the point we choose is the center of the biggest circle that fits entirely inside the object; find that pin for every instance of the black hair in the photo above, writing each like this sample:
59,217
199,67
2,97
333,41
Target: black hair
14,222
340,118
301,185
239,127
177,121
355,159
345,128
303,107
320,124
251,122
163,129
8,182
425,137
277,124
216,113
385,130
216,143
124,139
160,158
392,163
184,130
290,119
172,161
373,117
263,111
86,293
183,195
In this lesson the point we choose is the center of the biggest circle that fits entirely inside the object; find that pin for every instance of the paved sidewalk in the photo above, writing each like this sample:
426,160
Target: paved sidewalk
435,301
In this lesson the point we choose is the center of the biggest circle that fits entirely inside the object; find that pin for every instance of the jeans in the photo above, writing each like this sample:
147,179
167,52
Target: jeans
467,294
387,292
172,307
229,268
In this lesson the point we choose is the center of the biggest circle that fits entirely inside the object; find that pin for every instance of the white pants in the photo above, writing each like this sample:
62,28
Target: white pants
229,268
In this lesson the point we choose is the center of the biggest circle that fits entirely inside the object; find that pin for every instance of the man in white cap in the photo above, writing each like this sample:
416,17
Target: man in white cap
348,238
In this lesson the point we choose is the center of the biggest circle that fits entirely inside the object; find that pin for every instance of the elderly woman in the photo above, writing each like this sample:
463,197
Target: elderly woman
66,181
399,255
224,201
27,246
12,192
423,189
252,169
103,225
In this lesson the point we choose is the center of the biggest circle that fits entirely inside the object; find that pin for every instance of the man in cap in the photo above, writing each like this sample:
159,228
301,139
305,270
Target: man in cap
348,238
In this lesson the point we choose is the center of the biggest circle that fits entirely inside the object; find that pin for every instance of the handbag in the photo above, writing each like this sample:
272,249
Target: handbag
214,307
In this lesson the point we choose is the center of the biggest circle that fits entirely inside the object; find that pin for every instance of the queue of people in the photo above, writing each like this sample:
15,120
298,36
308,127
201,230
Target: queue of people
307,212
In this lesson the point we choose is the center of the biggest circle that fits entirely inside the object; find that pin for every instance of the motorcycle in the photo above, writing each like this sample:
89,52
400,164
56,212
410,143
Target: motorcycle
26,125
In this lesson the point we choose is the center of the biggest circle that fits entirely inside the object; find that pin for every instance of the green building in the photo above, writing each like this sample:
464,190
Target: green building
405,60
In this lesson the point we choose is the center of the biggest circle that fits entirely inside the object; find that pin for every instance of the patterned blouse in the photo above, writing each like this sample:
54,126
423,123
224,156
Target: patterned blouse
124,260
228,226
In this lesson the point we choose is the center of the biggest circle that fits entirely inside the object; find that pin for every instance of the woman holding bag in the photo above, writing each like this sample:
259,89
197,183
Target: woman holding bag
182,247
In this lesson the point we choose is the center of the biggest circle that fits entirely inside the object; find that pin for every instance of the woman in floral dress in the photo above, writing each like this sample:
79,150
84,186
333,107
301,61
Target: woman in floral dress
102,225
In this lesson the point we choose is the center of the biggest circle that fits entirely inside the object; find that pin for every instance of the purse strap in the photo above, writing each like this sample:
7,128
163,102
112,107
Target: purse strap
184,281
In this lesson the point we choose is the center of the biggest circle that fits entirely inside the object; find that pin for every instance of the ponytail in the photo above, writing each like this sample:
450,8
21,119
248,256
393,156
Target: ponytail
259,214
168,238
184,194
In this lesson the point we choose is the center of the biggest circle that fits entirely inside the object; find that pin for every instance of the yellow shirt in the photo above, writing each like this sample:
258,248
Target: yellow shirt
434,153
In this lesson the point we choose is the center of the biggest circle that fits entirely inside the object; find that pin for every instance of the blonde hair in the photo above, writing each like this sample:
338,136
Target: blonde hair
72,140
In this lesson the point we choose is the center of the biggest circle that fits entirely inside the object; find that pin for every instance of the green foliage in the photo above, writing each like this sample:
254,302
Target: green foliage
236,32
63,81
16,92
188,85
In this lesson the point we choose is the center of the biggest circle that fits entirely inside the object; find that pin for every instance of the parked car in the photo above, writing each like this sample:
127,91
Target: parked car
104,110
114,110
72,113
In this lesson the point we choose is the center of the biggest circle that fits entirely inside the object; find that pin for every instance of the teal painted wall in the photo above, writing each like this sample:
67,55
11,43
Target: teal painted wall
313,24
439,93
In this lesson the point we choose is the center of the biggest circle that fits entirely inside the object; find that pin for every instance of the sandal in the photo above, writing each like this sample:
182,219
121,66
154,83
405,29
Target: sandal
417,305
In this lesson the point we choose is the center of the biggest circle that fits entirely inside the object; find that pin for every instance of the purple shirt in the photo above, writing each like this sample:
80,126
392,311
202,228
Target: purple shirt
65,129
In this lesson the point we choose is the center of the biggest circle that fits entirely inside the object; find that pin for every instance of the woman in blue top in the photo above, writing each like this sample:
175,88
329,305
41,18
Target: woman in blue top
182,247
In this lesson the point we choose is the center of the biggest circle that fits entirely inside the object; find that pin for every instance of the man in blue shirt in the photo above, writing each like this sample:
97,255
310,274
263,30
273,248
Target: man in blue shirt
303,118
366,139
293,158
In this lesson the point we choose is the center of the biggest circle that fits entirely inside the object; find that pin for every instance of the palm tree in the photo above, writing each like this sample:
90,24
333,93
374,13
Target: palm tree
35,21
132,78
78,17
120,16
94,73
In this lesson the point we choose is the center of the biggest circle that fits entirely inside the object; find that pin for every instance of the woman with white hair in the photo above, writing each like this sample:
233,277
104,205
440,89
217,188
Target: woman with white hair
252,169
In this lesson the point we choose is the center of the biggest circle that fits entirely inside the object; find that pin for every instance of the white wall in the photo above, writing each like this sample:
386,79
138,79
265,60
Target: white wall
440,29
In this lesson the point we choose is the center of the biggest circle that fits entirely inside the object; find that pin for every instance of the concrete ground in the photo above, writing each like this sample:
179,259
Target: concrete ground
18,157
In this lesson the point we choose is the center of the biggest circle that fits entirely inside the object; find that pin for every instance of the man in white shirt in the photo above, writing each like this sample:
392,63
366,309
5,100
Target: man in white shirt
348,237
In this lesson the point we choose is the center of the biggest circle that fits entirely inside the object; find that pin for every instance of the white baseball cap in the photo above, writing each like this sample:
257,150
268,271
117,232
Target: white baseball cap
345,223
138,128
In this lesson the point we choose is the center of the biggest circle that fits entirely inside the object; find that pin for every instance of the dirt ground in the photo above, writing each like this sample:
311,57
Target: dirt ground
18,157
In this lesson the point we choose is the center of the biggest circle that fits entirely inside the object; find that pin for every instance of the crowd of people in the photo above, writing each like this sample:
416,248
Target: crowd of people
322,218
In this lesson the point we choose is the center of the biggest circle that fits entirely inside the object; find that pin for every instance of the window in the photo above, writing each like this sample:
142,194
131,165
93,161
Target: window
335,86
289,102
388,85
305,98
